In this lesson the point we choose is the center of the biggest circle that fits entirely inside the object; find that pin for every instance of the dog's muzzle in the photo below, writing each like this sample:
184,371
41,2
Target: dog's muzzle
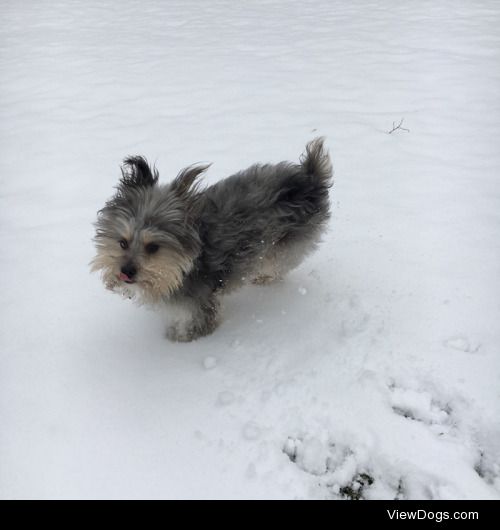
127,273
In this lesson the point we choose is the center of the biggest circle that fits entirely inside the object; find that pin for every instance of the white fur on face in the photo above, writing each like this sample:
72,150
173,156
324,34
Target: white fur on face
158,276
161,275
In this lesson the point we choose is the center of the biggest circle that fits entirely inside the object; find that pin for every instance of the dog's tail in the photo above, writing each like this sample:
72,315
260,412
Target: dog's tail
317,164
303,201
304,189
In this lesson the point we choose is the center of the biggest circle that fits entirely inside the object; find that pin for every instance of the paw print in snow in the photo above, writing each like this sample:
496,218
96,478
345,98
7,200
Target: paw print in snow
422,406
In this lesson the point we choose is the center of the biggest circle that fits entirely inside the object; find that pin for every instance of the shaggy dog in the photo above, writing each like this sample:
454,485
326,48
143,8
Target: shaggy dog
182,246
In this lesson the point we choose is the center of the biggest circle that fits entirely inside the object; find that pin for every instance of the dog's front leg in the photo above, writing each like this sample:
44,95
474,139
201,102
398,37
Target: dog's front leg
193,318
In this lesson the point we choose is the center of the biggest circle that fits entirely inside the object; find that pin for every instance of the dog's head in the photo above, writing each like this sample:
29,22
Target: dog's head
146,235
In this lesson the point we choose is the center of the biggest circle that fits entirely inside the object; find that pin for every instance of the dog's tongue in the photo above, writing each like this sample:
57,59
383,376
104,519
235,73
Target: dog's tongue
124,277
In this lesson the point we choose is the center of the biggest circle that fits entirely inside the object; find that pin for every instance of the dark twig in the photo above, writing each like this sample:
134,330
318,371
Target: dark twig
398,126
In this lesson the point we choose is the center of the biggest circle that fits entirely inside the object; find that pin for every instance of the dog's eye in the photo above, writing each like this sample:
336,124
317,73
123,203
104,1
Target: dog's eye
151,248
123,244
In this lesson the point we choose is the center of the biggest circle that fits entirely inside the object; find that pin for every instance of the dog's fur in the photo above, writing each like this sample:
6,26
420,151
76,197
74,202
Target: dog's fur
177,244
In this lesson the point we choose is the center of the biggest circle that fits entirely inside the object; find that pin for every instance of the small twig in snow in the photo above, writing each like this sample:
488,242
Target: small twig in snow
398,126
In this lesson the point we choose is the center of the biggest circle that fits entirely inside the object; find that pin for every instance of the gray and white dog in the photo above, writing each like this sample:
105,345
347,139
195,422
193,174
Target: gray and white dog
182,246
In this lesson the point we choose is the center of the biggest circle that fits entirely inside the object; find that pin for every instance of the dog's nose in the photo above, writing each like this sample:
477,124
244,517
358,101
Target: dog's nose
129,270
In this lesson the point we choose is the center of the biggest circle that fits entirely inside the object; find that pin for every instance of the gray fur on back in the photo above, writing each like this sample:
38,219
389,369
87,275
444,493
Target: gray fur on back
247,214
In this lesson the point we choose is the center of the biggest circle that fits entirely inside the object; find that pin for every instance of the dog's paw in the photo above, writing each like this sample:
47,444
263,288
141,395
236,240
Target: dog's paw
177,333
266,279
189,332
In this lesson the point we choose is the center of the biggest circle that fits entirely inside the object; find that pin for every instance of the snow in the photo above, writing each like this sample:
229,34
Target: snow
209,362
373,370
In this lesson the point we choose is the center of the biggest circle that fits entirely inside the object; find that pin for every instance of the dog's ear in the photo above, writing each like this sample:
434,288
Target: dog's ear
185,182
136,172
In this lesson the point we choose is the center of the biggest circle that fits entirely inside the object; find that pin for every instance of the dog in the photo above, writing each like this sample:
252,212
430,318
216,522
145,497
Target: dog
179,246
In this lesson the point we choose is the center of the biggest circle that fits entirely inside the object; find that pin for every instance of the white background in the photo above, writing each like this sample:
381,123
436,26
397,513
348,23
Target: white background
378,357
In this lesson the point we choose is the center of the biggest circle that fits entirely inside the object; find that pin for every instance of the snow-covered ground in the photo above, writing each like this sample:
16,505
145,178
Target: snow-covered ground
373,371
